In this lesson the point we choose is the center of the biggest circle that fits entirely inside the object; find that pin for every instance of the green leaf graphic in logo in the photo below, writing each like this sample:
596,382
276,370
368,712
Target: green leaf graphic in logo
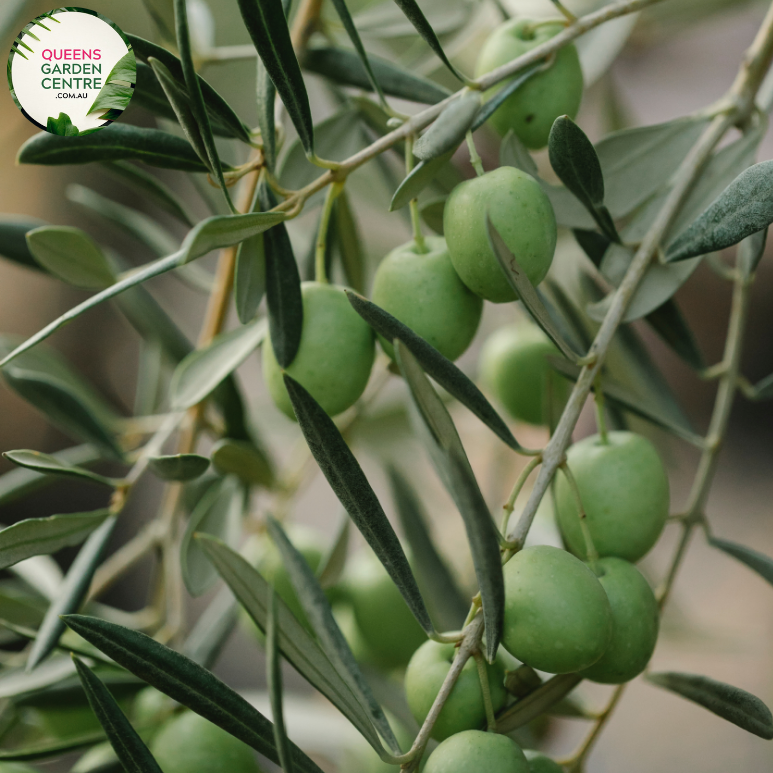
62,126
119,86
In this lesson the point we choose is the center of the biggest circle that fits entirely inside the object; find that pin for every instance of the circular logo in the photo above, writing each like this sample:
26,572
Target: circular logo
71,71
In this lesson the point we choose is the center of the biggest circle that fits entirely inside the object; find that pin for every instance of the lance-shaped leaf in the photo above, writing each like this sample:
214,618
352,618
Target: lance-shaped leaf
202,370
245,460
265,21
296,643
42,536
118,88
416,17
435,365
51,465
250,271
274,679
127,744
346,237
454,469
181,467
592,243
346,68
417,180
574,160
320,615
445,598
71,255
187,682
751,251
731,703
209,635
73,591
510,87
756,561
350,485
266,99
332,565
220,111
283,288
669,323
537,703
742,209
447,131
521,284
47,748
113,143
13,241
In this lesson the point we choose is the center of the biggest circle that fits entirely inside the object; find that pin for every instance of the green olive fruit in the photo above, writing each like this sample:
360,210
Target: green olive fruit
513,365
522,215
387,625
335,355
541,763
557,616
635,623
424,292
464,709
474,751
191,744
545,96
624,492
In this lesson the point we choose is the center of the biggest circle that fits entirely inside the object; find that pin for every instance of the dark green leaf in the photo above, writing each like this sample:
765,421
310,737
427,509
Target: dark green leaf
417,180
112,143
274,679
73,591
751,252
283,288
202,370
447,131
669,323
245,460
71,255
182,467
41,536
454,470
349,243
13,242
50,465
350,485
593,244
345,68
445,598
51,748
187,682
510,87
266,99
731,703
574,160
266,23
520,283
130,748
756,561
331,567
250,271
435,365
62,126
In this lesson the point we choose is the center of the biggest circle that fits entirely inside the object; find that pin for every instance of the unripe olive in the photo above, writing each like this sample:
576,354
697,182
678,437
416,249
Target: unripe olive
335,355
635,623
464,709
513,365
624,492
541,763
523,216
423,291
557,616
474,751
546,95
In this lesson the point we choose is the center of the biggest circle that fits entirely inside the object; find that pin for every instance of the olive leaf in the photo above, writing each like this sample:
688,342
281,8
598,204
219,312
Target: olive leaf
448,129
71,255
118,89
574,160
211,631
441,369
266,23
731,703
250,272
332,564
751,251
187,682
50,465
266,98
62,126
670,324
127,744
275,691
350,485
592,243
547,695
51,748
13,242
180,467
346,237
417,180
510,87
245,460
450,461
42,536
763,389
756,561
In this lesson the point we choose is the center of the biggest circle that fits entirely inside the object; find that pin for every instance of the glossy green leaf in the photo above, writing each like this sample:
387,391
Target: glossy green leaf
347,239
42,536
112,143
50,465
245,460
501,96
71,255
13,242
202,370
186,682
440,586
283,288
295,642
266,23
350,485
417,180
447,131
130,748
219,513
320,615
574,160
457,476
669,323
751,251
73,591
331,567
213,628
62,126
250,271
442,370
181,467
275,691
266,100
731,703
593,244
345,68
756,561
526,291
117,90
